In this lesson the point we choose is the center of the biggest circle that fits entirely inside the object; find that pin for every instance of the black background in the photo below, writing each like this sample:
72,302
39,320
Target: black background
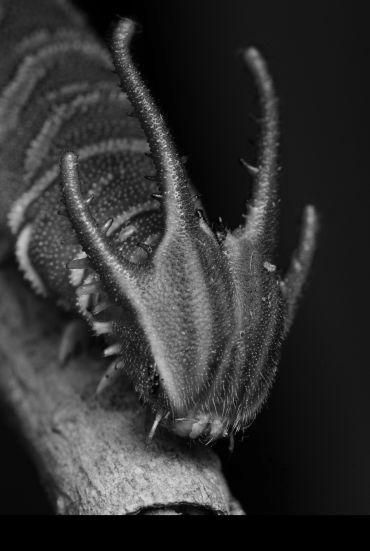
309,450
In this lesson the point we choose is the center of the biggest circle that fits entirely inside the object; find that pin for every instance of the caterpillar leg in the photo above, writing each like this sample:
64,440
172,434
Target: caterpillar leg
75,338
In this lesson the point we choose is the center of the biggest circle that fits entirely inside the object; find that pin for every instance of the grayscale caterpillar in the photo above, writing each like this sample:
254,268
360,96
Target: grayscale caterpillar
101,213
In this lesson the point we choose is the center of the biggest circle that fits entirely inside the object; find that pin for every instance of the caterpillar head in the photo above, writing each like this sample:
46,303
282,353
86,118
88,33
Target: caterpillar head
199,322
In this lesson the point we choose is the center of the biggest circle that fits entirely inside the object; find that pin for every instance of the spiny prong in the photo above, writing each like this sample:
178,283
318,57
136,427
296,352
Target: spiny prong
253,170
262,209
167,162
89,199
102,327
105,227
300,263
112,350
157,420
78,264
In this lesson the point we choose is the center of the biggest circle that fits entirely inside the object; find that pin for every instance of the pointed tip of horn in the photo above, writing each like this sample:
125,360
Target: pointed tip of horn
252,53
68,162
310,228
255,61
68,165
69,156
310,214
123,33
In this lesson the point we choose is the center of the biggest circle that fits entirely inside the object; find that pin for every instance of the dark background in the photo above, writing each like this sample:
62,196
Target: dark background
309,450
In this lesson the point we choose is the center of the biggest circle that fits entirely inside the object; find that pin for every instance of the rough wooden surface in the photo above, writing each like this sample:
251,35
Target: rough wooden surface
92,453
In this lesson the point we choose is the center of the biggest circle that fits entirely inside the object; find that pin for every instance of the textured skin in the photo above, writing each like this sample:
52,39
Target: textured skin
195,317
58,91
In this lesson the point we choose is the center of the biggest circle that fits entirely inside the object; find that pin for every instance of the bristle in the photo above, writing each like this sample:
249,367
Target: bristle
78,264
105,227
89,199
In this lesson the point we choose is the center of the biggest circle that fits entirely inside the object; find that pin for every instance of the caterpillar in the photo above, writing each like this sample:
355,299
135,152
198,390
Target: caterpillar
98,207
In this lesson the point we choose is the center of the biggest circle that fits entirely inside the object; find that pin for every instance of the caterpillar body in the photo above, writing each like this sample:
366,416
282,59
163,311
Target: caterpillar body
102,216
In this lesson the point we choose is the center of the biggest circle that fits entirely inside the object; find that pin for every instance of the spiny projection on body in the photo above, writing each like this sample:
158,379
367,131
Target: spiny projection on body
194,317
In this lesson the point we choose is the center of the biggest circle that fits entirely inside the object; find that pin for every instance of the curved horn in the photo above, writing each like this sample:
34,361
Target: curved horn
177,194
116,271
262,209
300,263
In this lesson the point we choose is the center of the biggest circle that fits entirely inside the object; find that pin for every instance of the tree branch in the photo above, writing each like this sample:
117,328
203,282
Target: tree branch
91,452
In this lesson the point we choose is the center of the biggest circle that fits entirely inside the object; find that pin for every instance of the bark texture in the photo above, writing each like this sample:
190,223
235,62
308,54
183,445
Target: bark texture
91,452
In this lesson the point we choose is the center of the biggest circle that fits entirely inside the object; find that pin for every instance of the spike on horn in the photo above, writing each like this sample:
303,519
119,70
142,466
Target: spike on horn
157,420
253,170
105,227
